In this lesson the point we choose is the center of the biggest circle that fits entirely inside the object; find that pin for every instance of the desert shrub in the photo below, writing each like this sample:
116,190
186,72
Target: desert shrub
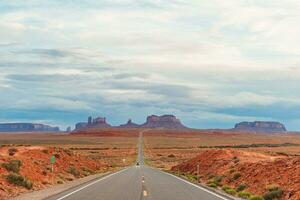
44,173
272,187
236,175
215,180
218,179
13,166
12,151
85,169
191,177
213,185
46,151
256,198
211,176
225,187
274,192
236,159
244,195
60,182
69,152
230,191
19,180
171,156
241,187
57,155
277,194
74,171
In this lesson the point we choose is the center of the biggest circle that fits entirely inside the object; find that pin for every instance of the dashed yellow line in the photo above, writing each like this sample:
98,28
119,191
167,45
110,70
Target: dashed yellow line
145,193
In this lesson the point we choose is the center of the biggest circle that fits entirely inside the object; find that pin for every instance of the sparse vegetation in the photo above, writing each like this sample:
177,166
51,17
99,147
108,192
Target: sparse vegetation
213,185
256,198
19,180
231,191
74,171
236,175
241,187
242,146
12,151
244,195
13,166
274,192
215,181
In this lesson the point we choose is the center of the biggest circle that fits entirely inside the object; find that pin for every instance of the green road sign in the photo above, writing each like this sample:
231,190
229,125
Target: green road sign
52,159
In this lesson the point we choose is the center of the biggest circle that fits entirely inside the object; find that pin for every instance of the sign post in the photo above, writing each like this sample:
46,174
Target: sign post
52,161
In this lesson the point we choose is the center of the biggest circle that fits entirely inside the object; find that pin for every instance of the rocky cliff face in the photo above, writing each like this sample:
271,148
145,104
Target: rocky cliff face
26,127
260,126
129,124
164,121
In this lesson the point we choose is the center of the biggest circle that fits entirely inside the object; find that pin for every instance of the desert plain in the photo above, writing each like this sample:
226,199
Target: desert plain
240,163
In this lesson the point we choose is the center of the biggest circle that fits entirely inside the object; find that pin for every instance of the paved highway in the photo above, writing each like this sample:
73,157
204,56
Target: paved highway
138,183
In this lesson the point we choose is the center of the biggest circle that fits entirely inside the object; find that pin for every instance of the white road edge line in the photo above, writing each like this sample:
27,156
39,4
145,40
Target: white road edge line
197,186
88,185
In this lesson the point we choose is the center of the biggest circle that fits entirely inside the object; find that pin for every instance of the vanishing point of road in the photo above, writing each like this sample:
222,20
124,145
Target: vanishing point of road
138,183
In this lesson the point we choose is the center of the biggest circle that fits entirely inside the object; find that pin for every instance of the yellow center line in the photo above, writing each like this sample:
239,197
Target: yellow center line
145,193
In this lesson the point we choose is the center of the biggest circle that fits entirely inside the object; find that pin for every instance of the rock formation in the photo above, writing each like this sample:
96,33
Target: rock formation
260,126
153,121
129,124
26,127
164,121
99,122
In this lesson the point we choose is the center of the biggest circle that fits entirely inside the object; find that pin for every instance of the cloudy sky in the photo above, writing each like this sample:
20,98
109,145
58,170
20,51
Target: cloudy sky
210,62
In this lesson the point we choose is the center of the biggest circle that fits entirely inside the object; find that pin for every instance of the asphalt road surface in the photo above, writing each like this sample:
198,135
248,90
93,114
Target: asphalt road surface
138,182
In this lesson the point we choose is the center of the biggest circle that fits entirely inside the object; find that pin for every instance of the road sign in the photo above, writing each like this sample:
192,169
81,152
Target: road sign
52,159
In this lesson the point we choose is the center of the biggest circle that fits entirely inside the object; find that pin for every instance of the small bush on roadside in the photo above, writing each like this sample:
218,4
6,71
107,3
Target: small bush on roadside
12,151
19,180
244,195
74,171
13,166
241,187
218,179
256,198
225,187
236,175
274,192
213,185
230,191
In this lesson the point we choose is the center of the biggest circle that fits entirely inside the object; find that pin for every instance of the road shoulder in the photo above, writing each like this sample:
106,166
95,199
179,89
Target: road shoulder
56,189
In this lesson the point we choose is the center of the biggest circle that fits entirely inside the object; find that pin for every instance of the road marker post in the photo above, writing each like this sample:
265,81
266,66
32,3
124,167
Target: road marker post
198,169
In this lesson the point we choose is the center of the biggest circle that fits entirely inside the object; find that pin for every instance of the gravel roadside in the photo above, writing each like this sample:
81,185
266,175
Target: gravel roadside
44,193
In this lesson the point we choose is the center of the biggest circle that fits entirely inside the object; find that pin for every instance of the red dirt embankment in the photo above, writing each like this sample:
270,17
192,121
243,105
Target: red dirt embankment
256,170
36,168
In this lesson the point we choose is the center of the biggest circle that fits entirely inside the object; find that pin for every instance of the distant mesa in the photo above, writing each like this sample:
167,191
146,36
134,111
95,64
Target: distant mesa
153,121
261,126
99,122
164,121
27,127
129,124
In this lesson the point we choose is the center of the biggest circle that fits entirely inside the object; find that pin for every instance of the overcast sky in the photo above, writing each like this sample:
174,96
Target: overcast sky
212,63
